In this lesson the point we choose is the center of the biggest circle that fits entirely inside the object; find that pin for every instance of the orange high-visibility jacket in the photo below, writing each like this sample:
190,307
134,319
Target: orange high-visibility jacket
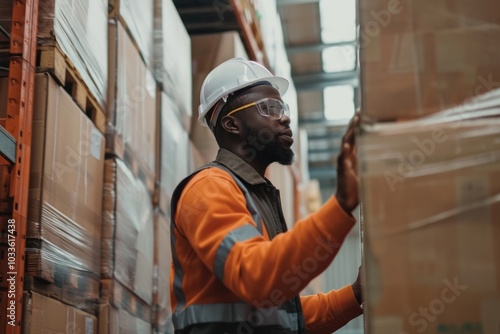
229,274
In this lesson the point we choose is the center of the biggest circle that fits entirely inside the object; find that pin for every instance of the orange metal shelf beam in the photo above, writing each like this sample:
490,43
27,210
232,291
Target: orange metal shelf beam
18,124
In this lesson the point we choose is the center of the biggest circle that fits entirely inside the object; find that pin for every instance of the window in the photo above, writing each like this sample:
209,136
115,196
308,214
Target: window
338,20
339,103
339,58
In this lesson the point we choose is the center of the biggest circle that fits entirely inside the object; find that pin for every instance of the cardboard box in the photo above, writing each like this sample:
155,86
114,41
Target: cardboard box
65,195
209,51
421,57
116,321
173,58
426,15
132,113
137,18
44,315
430,194
127,235
80,28
174,152
162,312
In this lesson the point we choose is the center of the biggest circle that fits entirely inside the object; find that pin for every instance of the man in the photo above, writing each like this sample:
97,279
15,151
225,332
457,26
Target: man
235,270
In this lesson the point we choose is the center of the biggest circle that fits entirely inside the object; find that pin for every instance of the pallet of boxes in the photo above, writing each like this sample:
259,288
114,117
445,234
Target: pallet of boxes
127,267
172,70
110,141
67,163
429,160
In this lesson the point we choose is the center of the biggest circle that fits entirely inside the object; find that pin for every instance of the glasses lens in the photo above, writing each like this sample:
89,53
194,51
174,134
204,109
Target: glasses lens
272,108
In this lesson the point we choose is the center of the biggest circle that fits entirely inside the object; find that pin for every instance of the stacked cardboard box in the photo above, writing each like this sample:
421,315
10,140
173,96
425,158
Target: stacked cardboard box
430,194
127,238
79,28
429,190
130,177
67,163
61,318
421,57
65,199
127,251
172,64
131,114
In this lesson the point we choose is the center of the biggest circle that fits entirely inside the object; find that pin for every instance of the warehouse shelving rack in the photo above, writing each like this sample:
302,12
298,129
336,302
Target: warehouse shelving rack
15,144
15,149
201,17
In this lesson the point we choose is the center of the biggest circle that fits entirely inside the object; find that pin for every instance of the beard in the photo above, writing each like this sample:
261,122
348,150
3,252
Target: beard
277,152
268,147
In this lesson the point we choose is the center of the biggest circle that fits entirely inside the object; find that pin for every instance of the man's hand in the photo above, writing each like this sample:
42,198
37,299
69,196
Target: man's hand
347,172
357,287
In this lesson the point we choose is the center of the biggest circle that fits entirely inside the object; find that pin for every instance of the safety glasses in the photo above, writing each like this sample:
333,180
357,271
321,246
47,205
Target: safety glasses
267,107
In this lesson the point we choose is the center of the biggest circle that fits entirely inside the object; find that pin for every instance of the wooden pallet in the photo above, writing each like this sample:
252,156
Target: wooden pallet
117,295
78,288
50,58
72,298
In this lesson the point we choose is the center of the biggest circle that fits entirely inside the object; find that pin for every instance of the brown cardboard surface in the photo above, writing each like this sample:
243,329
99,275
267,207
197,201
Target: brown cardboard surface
431,197
127,235
420,57
44,315
208,52
162,313
65,196
115,321
132,113
427,15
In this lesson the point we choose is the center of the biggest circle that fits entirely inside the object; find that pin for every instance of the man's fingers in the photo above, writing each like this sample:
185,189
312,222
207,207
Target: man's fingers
349,136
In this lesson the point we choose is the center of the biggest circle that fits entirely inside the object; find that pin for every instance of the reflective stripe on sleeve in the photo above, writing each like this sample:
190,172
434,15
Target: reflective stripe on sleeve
242,233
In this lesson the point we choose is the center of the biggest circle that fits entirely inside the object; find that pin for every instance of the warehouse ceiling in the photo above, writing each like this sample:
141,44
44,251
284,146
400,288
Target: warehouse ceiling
320,38
320,41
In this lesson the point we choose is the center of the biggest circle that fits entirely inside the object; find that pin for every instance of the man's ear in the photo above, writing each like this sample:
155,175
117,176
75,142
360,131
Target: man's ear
231,124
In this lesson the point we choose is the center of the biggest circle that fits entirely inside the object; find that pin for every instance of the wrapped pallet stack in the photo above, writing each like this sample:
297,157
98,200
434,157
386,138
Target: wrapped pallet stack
429,159
172,69
64,223
129,175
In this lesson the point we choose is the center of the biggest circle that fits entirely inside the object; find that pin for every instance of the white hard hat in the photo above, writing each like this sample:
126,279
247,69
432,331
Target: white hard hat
229,77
